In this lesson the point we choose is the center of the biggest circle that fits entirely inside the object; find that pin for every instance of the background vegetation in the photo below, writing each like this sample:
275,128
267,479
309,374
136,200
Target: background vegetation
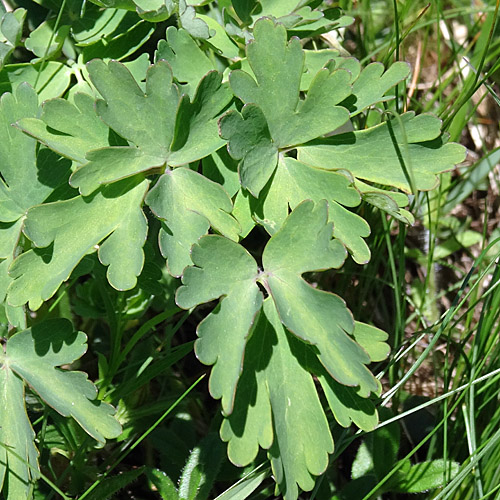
432,286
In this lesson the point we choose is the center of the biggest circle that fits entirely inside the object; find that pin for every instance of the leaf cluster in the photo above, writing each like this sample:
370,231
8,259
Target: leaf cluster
234,129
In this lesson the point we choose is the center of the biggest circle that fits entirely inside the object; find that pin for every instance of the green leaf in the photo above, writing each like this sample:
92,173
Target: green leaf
369,85
51,81
35,354
69,129
424,476
113,213
317,317
372,84
38,41
190,22
97,24
243,488
124,44
196,127
164,485
223,269
189,203
33,357
221,168
350,229
155,10
347,406
112,484
129,111
401,152
184,131
266,386
275,398
294,182
11,26
250,141
18,454
25,180
19,186
188,62
372,340
278,66
220,41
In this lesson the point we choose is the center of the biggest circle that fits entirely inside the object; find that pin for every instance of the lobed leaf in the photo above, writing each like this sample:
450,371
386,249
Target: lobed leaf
33,357
275,398
26,179
163,127
34,354
114,212
319,318
188,62
407,152
18,453
131,112
69,129
189,203
250,141
263,373
278,66
223,269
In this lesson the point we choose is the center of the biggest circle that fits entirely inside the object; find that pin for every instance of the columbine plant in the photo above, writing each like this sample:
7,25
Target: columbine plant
209,155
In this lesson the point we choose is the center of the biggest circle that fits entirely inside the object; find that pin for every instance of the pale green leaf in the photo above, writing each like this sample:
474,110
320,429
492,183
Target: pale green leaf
424,476
18,454
129,111
373,83
319,318
295,181
69,129
224,269
400,153
121,44
350,229
11,26
38,41
51,80
35,354
19,186
386,202
242,212
369,86
250,141
372,340
111,164
184,131
188,62
276,396
190,22
347,406
219,38
97,23
278,66
189,203
155,11
196,131
114,211
243,488
221,168
26,180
